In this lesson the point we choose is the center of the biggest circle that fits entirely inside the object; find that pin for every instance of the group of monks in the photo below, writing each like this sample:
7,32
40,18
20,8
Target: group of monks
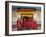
26,24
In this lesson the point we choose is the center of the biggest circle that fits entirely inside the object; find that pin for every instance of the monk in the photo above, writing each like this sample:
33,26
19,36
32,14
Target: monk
19,24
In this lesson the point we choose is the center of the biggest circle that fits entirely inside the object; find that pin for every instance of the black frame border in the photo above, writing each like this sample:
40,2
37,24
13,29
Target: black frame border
7,18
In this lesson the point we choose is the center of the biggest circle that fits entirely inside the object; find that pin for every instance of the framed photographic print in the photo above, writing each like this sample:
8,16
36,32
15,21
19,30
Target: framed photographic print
24,18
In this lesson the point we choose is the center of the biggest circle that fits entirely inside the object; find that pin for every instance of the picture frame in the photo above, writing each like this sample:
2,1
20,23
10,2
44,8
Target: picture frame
16,9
